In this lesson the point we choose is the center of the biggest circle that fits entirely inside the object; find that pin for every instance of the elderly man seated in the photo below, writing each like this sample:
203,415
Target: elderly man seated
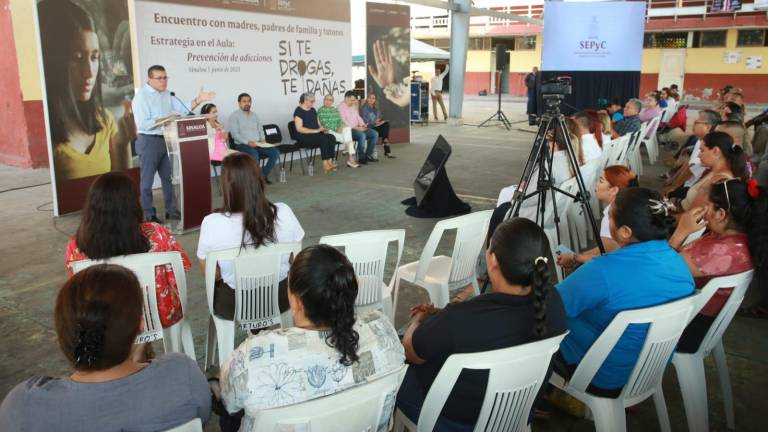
631,121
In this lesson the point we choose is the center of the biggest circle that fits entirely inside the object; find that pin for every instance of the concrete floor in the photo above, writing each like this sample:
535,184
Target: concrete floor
483,161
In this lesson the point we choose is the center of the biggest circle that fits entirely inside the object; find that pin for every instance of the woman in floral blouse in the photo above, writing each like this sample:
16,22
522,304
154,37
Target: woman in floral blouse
736,216
112,225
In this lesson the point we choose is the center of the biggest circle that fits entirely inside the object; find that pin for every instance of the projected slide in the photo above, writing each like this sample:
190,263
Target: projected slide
603,36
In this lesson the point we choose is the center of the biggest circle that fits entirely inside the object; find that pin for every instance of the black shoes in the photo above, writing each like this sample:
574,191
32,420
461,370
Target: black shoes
176,215
154,219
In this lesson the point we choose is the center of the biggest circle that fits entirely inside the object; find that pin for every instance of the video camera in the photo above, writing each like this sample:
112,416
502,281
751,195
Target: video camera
557,86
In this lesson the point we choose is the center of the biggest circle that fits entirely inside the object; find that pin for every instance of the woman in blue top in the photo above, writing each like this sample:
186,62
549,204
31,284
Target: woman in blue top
645,271
373,119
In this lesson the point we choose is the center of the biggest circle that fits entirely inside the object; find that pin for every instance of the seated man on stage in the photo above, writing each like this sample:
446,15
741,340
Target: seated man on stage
246,131
373,119
631,121
360,132
151,105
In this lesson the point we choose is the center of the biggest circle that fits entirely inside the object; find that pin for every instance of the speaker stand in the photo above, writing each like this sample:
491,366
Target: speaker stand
499,115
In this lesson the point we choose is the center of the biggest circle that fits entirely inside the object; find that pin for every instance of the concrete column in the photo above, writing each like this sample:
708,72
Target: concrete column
459,45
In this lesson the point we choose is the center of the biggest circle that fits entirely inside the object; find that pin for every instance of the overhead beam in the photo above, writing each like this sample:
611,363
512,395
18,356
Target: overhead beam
453,7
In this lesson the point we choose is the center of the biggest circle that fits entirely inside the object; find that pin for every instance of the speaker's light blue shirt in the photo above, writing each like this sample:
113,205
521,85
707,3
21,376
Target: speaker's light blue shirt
149,105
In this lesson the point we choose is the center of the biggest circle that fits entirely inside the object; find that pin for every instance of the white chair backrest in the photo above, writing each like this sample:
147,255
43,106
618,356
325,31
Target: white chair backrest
143,265
653,126
618,146
257,277
666,324
367,407
367,251
562,201
693,236
194,425
514,377
672,106
739,282
471,231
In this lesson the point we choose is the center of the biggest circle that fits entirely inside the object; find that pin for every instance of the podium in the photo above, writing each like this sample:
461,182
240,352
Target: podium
186,139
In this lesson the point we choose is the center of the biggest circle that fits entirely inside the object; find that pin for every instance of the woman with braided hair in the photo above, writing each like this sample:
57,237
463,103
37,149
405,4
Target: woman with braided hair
640,223
112,387
522,307
329,349
736,240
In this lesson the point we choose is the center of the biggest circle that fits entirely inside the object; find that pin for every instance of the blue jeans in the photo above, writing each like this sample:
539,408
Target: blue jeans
258,153
153,156
363,150
410,398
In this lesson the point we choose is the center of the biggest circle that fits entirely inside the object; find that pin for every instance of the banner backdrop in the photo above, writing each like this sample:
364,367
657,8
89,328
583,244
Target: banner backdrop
388,57
86,57
582,36
273,50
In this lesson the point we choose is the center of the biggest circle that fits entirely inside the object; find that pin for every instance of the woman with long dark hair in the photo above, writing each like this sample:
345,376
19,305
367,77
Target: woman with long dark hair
640,222
112,225
327,351
97,317
85,137
522,307
246,219
736,216
723,159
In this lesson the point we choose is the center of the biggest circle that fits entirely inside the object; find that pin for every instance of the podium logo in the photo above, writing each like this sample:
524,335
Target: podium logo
196,127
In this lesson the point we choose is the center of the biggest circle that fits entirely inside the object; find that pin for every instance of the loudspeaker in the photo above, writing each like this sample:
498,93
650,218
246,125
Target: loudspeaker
502,57
434,195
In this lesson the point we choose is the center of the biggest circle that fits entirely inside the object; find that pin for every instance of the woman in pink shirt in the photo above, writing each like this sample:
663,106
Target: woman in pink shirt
217,135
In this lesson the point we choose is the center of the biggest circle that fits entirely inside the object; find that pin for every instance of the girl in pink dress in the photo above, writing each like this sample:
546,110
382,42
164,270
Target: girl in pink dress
217,135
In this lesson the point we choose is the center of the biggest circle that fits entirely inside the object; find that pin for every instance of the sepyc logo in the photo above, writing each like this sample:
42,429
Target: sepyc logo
593,45
593,42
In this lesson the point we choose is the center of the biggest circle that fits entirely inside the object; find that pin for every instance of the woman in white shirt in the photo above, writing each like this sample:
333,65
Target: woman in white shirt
613,180
329,349
246,219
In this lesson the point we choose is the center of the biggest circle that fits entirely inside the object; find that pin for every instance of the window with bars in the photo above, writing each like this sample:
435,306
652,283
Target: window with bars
525,43
666,40
709,39
751,38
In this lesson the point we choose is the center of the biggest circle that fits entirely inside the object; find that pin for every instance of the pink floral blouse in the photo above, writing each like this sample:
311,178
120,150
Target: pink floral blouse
718,255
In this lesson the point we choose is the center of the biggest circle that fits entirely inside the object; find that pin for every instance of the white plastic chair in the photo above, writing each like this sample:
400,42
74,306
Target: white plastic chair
616,150
367,407
440,274
514,377
564,204
634,159
693,236
578,220
194,425
178,337
672,106
367,251
690,367
650,141
667,323
257,278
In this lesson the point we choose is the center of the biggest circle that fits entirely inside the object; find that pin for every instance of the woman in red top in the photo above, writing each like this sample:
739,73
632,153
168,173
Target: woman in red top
735,214
112,225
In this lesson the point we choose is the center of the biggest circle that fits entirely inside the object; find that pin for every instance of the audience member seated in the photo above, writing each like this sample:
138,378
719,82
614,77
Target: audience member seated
652,109
734,214
371,114
311,135
738,132
361,133
217,135
607,125
329,118
674,92
663,96
613,180
247,132
522,307
722,159
729,108
640,223
591,143
246,219
631,121
98,315
111,225
327,351
614,109
688,169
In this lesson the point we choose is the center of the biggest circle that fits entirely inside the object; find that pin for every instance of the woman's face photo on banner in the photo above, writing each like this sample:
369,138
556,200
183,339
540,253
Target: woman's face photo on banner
86,53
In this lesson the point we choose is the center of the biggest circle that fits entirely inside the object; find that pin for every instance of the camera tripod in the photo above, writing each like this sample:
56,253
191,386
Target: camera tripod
499,114
540,160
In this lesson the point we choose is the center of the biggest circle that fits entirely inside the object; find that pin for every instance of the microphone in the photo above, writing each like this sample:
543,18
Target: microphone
189,111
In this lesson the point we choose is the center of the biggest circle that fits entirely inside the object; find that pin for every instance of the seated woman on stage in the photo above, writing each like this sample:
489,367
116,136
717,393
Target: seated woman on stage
522,307
640,223
734,214
373,119
613,180
329,118
111,387
327,351
246,219
311,134
217,135
111,225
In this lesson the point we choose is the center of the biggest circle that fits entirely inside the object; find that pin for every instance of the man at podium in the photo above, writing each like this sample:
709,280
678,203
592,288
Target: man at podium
152,106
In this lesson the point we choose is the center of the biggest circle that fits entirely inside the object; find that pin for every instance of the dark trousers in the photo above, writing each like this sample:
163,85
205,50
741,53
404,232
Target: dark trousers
272,154
694,334
224,299
565,370
153,156
326,143
383,130
531,105
410,399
